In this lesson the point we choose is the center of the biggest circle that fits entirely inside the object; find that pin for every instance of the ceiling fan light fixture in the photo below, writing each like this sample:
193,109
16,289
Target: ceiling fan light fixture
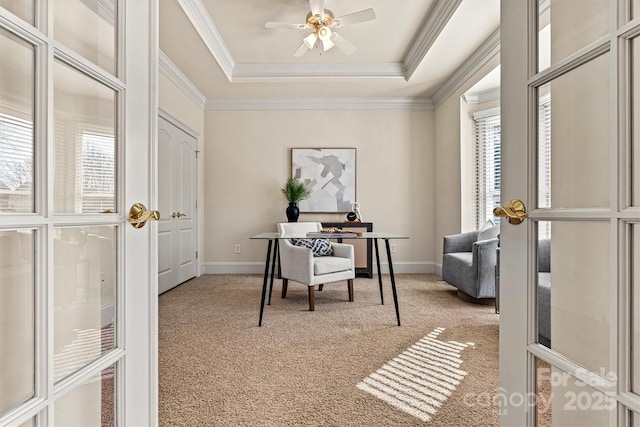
325,36
310,40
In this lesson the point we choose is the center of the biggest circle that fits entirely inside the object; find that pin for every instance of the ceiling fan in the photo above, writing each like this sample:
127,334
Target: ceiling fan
322,23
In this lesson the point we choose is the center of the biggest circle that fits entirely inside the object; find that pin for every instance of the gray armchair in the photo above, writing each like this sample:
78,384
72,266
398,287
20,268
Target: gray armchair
469,262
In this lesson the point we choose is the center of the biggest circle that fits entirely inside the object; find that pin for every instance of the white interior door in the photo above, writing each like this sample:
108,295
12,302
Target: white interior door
76,294
177,205
568,326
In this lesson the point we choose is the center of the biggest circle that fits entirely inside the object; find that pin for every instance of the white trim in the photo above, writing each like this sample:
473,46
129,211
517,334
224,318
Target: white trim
155,62
482,97
488,49
437,19
180,80
410,267
319,104
486,113
204,25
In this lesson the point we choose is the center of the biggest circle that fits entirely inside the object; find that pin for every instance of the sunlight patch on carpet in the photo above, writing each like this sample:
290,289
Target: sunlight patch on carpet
419,380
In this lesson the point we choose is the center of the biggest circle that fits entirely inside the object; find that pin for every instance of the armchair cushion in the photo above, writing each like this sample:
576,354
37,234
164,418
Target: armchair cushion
326,265
319,247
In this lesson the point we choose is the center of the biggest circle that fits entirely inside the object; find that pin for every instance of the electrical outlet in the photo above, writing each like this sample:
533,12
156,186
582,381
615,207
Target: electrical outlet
393,248
237,248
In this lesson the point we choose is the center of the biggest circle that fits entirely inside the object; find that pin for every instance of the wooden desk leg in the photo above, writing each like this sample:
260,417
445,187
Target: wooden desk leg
393,280
273,268
264,281
375,241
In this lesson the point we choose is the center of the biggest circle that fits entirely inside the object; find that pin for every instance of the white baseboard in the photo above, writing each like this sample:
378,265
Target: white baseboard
410,267
437,269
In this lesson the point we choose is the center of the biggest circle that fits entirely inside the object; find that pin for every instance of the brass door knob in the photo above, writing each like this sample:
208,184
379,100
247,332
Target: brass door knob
139,215
515,212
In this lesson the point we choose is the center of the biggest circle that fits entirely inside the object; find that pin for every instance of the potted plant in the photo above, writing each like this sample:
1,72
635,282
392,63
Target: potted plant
294,191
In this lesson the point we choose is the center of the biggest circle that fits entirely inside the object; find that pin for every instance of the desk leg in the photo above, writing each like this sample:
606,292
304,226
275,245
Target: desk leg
264,281
375,241
273,268
393,280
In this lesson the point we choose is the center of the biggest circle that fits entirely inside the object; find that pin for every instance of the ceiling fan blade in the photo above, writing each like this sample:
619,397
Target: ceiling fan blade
301,50
317,7
354,18
285,26
343,44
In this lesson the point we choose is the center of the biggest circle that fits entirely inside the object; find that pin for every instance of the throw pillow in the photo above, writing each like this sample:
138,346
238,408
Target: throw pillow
488,231
319,247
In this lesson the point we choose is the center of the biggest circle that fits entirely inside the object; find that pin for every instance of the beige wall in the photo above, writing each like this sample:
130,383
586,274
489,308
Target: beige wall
448,197
408,173
248,160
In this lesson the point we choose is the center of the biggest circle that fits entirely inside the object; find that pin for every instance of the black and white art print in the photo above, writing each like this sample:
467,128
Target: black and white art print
330,175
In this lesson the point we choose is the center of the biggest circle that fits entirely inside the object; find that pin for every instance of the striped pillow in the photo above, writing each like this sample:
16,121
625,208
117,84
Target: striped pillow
319,247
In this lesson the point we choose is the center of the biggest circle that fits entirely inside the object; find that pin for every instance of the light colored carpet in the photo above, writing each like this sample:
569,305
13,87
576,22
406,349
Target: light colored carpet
346,364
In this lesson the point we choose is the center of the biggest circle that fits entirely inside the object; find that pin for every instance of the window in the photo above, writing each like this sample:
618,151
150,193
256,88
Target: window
98,172
16,164
487,138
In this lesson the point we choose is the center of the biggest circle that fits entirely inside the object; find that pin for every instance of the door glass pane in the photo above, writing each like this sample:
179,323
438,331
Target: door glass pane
635,121
84,170
21,8
84,283
93,403
573,131
563,400
87,27
17,64
566,26
634,257
572,292
17,317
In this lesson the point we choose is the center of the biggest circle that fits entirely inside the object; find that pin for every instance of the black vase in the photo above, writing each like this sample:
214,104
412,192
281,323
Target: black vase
293,212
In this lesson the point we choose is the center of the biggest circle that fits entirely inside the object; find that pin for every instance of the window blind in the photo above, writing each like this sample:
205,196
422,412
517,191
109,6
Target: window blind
98,172
487,138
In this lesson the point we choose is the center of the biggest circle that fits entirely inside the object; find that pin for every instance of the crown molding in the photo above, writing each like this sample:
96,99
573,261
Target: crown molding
402,104
480,57
235,72
437,19
204,25
182,82
287,72
481,97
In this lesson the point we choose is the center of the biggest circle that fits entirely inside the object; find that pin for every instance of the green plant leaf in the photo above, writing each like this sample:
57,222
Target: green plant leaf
295,190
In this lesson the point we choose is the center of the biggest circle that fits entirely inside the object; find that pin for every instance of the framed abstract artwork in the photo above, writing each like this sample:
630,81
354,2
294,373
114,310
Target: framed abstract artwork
330,175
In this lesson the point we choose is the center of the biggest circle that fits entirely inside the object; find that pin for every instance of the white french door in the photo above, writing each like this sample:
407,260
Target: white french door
77,282
570,274
177,205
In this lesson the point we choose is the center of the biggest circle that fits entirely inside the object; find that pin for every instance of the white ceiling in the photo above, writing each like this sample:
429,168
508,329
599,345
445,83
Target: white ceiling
409,51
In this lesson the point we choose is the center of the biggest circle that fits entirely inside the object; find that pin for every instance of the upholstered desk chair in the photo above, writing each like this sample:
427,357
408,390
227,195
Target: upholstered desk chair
299,264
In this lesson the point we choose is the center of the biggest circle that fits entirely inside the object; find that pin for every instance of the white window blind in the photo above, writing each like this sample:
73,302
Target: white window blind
98,172
544,162
16,164
487,138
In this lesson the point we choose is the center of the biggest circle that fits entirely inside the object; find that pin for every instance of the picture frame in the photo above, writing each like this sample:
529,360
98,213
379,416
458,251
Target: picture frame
330,175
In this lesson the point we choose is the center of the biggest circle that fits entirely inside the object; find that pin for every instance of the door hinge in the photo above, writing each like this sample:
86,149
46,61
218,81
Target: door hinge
196,254
196,204
197,151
